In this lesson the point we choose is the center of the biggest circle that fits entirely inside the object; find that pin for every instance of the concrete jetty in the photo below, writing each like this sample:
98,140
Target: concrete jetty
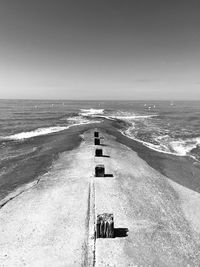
156,221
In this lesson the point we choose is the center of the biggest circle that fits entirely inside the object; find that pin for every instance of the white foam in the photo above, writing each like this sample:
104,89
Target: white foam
178,148
120,115
183,147
166,144
91,112
149,145
133,117
129,116
45,131
79,120
34,133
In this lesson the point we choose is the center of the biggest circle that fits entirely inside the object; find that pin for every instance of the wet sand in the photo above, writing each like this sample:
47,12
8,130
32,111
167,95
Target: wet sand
157,221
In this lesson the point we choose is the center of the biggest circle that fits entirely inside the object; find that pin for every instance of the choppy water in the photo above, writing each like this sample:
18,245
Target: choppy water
32,132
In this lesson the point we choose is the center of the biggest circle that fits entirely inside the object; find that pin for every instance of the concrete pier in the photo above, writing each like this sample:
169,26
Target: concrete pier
52,223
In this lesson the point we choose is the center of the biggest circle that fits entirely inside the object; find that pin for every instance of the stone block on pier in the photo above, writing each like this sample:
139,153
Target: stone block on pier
105,225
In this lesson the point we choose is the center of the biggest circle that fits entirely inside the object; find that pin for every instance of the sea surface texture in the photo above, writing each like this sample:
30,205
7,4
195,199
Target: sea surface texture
33,133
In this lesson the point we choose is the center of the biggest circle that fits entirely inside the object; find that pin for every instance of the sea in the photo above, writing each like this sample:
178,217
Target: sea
34,132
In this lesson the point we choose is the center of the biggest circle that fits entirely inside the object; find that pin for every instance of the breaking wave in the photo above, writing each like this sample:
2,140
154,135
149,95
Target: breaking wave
120,115
79,120
142,128
184,147
131,117
45,131
175,147
34,133
91,112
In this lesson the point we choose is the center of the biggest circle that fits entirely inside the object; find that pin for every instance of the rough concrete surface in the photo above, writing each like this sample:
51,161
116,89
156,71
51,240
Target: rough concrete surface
52,223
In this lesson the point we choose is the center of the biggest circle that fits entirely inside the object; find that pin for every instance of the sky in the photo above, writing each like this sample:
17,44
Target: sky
105,49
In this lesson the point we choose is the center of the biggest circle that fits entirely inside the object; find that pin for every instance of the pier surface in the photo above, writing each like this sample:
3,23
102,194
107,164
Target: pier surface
156,221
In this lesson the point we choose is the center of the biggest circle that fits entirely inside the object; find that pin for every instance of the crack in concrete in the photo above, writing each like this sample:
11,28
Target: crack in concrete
6,201
91,226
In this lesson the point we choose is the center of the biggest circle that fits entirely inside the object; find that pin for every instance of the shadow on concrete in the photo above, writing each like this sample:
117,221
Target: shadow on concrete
121,232
108,175
102,156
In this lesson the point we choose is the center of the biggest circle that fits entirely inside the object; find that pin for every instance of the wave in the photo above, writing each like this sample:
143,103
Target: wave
91,112
132,117
79,120
34,133
129,116
175,147
161,142
44,131
149,145
184,147
119,115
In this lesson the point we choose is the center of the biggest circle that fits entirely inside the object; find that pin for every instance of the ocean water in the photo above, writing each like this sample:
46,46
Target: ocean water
33,133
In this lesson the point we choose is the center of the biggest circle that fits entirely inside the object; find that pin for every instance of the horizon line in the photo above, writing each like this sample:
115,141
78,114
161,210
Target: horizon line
99,100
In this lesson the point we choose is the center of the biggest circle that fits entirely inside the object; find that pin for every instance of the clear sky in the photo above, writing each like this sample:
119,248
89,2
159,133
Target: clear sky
105,49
